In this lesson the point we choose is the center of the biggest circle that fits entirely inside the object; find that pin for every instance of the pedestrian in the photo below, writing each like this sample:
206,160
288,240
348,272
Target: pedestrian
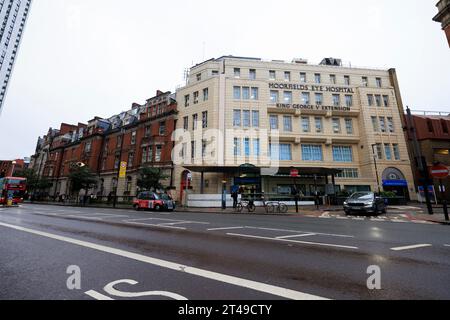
235,195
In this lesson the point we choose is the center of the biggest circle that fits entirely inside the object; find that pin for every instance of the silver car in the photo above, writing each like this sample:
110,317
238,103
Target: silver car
365,202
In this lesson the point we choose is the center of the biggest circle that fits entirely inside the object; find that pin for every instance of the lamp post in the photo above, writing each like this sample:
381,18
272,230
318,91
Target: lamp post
375,156
13,168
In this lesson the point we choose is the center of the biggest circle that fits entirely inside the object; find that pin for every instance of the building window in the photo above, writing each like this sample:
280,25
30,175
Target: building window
133,138
386,101
192,150
252,74
274,122
444,126
205,94
306,125
199,77
247,147
336,100
391,126
319,99
378,100
255,119
162,128
186,100
347,80
246,118
144,155
287,96
312,153
272,75
379,82
365,81
116,162
237,72
442,152
274,96
236,118
245,93
317,78
332,78
237,147
119,142
383,124
148,131
343,154
348,173
150,154
396,152
285,152
379,151
88,147
303,77
158,153
215,72
336,125
305,98
349,101
388,152
237,93
430,126
130,159
205,119
370,99
319,125
349,126
375,124
194,122
287,76
196,95
287,123
256,147
255,94
186,123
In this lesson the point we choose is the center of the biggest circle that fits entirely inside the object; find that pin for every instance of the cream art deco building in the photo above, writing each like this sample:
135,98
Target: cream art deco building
256,124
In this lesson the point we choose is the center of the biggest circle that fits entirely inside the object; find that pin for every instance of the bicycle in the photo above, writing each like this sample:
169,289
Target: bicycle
276,207
245,205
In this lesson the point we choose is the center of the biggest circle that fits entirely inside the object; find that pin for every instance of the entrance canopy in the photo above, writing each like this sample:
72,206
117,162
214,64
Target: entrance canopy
246,169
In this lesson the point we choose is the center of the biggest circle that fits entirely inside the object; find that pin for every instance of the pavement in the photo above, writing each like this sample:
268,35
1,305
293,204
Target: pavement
124,254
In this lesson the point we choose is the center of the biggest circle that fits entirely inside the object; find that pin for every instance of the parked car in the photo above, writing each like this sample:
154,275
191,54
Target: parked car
153,201
365,202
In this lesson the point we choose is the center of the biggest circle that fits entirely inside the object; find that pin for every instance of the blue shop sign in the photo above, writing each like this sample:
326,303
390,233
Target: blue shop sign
395,183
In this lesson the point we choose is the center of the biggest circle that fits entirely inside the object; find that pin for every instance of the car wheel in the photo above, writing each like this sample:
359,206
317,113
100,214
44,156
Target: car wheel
157,208
347,212
136,207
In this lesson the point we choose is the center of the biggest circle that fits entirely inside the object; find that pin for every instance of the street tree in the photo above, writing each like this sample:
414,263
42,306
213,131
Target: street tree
150,179
81,178
34,182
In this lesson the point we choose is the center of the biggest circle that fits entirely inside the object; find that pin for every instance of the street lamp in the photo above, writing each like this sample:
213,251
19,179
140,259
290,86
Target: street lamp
375,156
13,168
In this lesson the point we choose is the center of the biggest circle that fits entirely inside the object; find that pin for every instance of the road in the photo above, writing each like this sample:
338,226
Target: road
123,254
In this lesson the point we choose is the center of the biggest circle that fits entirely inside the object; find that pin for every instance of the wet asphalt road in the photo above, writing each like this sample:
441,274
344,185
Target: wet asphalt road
200,256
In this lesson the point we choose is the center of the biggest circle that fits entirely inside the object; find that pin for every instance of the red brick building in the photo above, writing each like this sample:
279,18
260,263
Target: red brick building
140,137
443,17
433,133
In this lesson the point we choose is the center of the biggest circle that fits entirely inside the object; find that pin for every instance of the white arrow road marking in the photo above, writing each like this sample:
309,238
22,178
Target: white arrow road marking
418,246
114,292
244,283
98,296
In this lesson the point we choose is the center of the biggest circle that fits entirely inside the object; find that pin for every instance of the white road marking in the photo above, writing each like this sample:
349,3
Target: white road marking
298,236
299,231
446,245
156,225
293,241
418,246
244,283
98,296
228,228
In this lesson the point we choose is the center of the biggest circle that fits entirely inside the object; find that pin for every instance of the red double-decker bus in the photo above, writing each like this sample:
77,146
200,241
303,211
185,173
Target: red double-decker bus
12,188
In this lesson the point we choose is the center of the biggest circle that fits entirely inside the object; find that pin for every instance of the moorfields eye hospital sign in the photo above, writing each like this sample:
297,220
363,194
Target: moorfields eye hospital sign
312,88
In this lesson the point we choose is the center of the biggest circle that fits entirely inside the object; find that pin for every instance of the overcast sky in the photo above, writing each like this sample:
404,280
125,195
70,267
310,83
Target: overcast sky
85,58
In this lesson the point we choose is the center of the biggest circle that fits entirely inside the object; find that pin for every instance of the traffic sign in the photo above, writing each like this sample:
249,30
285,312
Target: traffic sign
294,173
440,171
